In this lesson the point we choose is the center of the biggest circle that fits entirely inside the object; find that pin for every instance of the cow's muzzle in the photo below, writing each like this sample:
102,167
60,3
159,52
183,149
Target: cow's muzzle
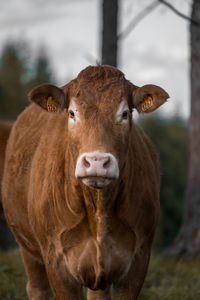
97,169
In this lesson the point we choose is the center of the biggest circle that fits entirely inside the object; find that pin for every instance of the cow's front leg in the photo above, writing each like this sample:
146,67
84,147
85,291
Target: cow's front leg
38,285
99,295
130,287
63,285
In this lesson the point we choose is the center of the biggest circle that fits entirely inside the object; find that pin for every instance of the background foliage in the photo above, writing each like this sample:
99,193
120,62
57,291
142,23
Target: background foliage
18,76
170,137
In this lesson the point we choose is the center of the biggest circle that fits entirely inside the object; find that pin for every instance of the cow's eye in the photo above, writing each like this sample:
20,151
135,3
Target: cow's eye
71,114
125,115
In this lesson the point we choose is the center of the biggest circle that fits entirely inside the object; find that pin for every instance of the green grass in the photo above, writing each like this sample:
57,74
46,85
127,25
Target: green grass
12,276
167,278
171,279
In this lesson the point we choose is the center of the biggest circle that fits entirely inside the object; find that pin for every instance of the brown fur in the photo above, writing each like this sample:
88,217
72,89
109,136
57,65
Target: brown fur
69,233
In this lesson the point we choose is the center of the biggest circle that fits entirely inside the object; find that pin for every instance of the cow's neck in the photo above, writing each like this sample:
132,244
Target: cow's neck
100,206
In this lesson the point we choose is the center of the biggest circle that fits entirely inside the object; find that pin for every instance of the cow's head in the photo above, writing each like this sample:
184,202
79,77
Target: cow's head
98,105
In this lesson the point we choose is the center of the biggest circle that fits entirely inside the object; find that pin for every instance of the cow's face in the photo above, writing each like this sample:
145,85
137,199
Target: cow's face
99,107
99,124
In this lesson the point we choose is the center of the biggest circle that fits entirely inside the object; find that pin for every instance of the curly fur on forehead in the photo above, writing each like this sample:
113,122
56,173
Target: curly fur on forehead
95,83
99,74
98,84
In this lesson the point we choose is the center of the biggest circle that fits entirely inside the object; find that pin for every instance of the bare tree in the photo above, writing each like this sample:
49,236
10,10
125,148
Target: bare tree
188,239
109,34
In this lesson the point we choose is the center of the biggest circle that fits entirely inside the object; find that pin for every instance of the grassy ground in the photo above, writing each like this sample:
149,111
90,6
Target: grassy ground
170,279
167,279
12,276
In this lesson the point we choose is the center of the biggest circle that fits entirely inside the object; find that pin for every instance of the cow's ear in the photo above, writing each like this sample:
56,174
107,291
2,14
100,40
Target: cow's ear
49,97
148,98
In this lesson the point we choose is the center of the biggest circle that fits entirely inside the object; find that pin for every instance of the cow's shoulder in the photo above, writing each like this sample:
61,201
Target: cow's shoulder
23,142
28,128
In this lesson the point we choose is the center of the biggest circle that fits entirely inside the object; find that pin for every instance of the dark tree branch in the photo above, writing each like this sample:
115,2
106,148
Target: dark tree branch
147,10
180,14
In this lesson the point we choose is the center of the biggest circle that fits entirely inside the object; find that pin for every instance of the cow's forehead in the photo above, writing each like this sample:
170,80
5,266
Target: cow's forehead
100,80
105,98
99,88
99,74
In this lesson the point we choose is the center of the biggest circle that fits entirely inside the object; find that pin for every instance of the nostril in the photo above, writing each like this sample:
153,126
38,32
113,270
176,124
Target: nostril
86,162
107,163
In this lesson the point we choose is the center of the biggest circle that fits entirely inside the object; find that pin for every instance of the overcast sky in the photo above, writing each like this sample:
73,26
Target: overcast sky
156,51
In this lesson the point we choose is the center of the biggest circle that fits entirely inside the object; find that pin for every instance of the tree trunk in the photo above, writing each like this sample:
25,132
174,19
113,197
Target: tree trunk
188,239
109,34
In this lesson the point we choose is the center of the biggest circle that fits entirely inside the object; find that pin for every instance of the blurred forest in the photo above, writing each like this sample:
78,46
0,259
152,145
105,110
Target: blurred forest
18,76
170,136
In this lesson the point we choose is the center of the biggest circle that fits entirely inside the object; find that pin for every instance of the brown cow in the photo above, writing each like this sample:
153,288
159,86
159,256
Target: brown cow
81,187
